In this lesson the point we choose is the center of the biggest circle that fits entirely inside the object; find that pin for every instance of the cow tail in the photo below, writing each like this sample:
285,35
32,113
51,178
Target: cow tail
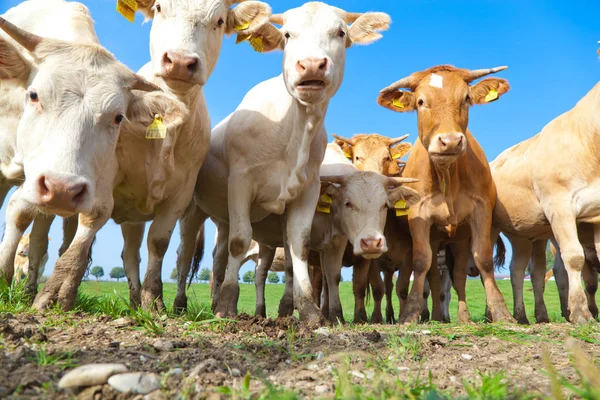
500,256
198,255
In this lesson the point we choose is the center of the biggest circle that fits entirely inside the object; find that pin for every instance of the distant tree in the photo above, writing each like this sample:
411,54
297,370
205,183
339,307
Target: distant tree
173,276
97,272
283,278
117,273
273,277
248,277
204,275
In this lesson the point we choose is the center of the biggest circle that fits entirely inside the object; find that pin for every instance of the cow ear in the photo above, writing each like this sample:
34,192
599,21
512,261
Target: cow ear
246,17
145,7
263,39
410,196
12,64
488,90
366,28
144,106
396,100
400,150
345,146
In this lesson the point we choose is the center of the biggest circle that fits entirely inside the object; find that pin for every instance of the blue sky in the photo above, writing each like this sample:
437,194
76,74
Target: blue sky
549,47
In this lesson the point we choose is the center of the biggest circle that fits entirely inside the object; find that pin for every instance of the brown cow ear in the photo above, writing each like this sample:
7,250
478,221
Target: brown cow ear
246,17
410,196
400,150
488,90
346,148
396,100
144,106
263,39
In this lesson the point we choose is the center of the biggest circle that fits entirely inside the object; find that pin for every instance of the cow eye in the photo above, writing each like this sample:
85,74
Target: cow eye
119,119
158,8
33,96
357,158
220,22
420,102
287,35
342,34
348,204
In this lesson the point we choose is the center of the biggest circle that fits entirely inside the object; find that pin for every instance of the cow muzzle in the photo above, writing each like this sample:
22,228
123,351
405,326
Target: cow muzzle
448,146
371,247
61,196
181,66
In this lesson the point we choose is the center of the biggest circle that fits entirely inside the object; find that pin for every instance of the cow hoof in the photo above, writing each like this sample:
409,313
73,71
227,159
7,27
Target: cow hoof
522,320
464,317
360,317
337,318
260,312
376,318
180,304
499,313
581,316
542,318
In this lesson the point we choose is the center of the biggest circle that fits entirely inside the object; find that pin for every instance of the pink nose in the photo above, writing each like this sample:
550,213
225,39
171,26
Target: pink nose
451,142
180,66
371,246
312,67
60,195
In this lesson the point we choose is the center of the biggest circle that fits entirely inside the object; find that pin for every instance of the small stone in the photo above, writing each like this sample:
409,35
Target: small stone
343,336
467,357
453,379
536,356
18,354
321,389
114,345
90,375
281,334
175,371
320,355
155,395
370,374
403,369
135,382
208,365
236,372
313,367
143,358
426,332
358,374
163,345
323,331
121,322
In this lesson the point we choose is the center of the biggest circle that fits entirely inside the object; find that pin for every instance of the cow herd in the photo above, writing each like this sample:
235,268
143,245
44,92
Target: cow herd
85,138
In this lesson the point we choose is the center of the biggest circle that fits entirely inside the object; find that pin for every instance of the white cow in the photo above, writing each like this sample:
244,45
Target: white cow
67,141
22,265
265,156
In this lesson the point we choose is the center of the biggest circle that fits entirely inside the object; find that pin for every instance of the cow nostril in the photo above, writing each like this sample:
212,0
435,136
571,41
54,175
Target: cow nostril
442,141
323,64
300,67
167,61
192,67
460,140
379,244
80,192
42,187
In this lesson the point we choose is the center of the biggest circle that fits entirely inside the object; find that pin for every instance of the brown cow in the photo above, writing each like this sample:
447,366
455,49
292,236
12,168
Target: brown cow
455,183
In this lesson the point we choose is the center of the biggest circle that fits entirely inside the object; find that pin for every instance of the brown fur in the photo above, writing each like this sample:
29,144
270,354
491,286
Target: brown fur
236,247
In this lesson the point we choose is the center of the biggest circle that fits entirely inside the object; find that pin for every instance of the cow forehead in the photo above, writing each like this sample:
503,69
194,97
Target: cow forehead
447,81
365,187
194,10
314,15
370,144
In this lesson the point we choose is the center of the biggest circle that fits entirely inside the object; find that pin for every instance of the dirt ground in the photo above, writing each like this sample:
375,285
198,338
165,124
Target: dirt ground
212,358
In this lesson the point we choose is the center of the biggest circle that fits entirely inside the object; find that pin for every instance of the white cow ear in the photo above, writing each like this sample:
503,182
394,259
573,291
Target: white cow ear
366,28
247,17
144,106
12,64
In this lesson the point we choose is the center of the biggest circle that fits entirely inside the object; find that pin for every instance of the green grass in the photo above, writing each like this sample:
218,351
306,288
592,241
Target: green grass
199,298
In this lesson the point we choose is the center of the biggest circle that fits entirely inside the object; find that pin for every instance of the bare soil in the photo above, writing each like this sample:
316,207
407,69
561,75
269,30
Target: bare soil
35,351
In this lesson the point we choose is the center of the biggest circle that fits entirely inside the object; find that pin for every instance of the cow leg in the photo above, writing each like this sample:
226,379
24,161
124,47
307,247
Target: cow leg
461,252
388,282
325,305
538,275
377,290
71,266
522,251
446,293
298,220
481,247
402,285
220,256
590,277
562,282
69,229
4,189
133,236
265,259
421,256
564,228
360,285
331,261
317,283
286,304
433,276
191,229
425,314
18,218
38,249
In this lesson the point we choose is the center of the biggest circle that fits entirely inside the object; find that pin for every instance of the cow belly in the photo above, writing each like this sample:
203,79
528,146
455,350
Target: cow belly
586,202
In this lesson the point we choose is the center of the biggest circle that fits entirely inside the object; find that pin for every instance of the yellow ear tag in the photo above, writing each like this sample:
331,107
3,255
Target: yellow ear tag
398,103
127,8
348,155
401,208
491,96
156,130
325,198
396,156
242,37
324,204
324,208
241,27
257,44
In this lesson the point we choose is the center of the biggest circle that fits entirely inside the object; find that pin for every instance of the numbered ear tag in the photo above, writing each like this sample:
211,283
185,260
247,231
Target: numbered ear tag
241,27
257,44
324,208
401,208
156,130
127,8
398,103
325,198
324,204
491,96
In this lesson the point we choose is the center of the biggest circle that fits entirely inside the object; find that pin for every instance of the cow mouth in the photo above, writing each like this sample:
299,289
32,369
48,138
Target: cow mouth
311,84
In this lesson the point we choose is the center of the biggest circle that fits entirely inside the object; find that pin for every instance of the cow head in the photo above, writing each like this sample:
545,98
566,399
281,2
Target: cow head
77,98
314,38
360,200
186,35
373,152
442,96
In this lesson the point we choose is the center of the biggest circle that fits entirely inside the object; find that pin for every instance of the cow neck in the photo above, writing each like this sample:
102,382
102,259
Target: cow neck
310,119
444,178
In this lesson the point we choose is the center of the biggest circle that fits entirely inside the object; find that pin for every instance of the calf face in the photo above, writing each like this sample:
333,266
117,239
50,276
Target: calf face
186,35
373,152
360,200
77,98
314,38
442,97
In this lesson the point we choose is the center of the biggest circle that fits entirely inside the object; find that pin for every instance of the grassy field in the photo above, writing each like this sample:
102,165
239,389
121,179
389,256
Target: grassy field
199,294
